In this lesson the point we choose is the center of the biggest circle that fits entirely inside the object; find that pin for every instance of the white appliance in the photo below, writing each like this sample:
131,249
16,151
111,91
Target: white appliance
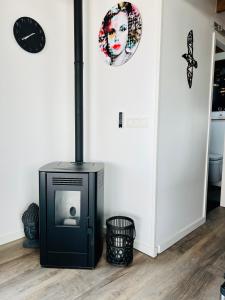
215,168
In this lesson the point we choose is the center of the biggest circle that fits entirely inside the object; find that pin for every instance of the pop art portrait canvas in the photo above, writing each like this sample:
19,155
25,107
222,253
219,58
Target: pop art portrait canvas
120,33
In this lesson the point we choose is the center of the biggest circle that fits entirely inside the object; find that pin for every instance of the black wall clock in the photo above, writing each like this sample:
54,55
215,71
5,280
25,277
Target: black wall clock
29,34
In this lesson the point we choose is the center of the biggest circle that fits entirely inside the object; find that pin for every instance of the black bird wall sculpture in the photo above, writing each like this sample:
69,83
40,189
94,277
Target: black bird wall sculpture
192,63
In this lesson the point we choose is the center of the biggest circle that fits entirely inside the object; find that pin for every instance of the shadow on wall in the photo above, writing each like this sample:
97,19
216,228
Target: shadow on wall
204,6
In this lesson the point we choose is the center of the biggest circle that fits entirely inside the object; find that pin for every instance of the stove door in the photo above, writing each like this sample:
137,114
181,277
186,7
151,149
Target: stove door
67,218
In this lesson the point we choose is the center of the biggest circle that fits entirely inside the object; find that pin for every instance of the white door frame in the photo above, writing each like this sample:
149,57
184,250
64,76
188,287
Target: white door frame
220,40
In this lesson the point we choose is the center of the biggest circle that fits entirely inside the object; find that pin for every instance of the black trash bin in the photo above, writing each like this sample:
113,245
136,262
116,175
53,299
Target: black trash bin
120,237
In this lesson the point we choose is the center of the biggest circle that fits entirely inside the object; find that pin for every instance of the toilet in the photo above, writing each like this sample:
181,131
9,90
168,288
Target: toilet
215,168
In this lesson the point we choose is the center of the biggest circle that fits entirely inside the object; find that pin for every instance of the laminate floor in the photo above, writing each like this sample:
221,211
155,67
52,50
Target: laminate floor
191,269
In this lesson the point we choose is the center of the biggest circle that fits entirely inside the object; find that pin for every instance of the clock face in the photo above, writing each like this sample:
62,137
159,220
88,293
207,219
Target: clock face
29,34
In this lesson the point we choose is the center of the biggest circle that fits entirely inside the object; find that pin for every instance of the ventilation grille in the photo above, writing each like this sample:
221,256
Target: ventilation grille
67,181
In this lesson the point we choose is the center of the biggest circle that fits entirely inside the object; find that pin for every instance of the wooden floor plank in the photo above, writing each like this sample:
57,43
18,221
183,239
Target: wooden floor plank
191,269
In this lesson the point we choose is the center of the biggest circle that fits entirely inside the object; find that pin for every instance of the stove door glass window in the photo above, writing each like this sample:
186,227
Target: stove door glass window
67,208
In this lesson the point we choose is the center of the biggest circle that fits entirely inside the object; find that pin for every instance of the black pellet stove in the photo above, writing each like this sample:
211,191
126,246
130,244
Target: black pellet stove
71,213
72,193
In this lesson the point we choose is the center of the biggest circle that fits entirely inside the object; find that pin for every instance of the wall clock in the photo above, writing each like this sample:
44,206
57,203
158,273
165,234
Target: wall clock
29,34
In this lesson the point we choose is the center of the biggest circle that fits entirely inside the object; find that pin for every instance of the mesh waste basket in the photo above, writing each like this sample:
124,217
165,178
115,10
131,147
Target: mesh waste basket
222,292
120,237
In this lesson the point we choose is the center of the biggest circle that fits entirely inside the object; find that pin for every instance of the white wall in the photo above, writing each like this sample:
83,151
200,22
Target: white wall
36,105
37,112
183,120
217,131
222,197
129,153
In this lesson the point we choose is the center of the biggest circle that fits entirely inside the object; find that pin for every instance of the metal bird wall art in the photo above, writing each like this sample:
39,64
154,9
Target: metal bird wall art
192,63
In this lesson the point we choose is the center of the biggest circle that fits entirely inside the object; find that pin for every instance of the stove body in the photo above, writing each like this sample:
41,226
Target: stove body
71,214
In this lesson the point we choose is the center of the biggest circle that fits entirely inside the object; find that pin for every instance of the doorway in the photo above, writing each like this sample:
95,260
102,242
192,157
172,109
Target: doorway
217,127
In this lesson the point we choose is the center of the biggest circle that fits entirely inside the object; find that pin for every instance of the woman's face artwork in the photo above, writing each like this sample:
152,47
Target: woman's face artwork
120,33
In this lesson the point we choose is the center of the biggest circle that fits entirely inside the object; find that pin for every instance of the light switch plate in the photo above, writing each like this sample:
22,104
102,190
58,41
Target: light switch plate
137,122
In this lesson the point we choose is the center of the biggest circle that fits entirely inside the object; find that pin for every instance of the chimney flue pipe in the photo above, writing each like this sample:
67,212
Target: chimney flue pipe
78,48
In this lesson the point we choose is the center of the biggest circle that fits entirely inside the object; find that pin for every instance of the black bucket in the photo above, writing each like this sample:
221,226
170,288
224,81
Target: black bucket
222,291
120,237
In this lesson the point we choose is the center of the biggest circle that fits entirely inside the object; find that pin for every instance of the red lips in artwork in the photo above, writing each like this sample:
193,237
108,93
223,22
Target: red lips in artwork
116,46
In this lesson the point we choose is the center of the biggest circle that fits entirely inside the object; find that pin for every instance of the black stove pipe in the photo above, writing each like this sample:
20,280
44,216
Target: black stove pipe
78,48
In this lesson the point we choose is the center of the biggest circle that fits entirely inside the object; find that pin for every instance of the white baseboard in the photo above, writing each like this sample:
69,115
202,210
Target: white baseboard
145,248
179,235
10,237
